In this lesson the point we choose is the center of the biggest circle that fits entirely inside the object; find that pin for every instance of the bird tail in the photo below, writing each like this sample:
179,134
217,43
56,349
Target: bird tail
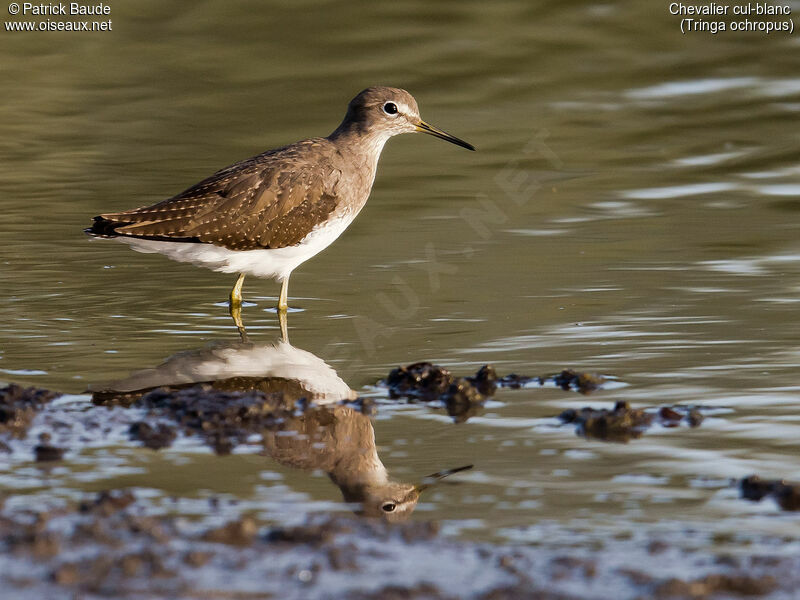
102,227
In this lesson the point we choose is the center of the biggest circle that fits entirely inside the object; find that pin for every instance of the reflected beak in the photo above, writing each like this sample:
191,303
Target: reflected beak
437,477
435,131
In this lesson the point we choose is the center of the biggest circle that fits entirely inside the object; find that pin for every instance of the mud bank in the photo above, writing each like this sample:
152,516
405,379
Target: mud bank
109,546
118,545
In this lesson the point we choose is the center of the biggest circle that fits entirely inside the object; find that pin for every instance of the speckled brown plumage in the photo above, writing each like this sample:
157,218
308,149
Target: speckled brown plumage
272,200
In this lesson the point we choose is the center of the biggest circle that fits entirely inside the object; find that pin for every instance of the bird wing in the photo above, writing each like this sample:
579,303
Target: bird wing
273,200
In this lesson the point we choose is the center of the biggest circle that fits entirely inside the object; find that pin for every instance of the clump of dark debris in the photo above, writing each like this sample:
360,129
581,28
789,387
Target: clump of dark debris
568,380
153,435
421,381
464,396
18,406
106,503
578,382
223,419
786,494
623,423
426,382
45,451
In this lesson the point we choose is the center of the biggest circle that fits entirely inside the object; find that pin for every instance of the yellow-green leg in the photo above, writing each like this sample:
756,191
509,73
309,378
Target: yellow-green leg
283,302
235,304
284,325
236,292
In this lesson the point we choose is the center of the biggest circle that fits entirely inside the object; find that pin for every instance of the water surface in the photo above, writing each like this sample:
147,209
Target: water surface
631,210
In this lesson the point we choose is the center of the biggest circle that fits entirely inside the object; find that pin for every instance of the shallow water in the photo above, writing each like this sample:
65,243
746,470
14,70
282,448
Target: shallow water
631,211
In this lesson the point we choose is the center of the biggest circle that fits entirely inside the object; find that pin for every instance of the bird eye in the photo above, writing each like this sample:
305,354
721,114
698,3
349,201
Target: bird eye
390,108
388,507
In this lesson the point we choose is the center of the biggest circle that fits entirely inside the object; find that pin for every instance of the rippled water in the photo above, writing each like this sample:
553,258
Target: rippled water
631,210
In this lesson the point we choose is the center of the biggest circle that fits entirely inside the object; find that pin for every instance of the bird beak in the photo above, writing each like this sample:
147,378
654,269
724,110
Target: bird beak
435,131
437,477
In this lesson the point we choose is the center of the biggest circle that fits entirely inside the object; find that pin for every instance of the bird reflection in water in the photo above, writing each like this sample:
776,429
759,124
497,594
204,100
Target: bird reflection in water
341,442
324,432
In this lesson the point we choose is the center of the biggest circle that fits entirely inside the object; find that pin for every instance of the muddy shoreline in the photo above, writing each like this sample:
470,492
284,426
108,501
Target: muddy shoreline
113,544
108,546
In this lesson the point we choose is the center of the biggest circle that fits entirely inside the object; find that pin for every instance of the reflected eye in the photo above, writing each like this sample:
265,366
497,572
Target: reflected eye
388,507
390,108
